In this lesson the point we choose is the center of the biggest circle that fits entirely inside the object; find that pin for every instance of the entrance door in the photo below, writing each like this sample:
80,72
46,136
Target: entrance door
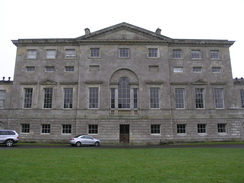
124,134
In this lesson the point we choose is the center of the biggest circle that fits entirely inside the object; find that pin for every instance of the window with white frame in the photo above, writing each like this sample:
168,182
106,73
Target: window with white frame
195,54
51,53
197,69
219,98
2,98
95,52
48,98
93,97
25,128
242,98
49,68
66,129
178,69
154,97
179,98
153,52
30,68
181,128
214,54
69,68
31,53
155,129
201,128
68,98
92,129
176,53
222,128
70,53
46,128
124,93
199,98
28,92
124,53
216,69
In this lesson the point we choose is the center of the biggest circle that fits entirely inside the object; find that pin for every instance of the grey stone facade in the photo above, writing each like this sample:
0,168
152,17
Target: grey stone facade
124,84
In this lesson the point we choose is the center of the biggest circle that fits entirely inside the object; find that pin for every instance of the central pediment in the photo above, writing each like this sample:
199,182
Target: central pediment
123,31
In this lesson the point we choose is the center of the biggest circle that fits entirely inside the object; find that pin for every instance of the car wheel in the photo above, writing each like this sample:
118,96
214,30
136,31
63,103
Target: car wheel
9,143
78,144
97,144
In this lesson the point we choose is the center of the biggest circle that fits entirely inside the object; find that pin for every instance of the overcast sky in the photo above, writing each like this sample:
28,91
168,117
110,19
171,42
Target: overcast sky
190,19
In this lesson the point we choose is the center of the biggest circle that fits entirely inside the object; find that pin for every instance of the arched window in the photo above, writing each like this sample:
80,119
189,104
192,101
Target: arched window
124,93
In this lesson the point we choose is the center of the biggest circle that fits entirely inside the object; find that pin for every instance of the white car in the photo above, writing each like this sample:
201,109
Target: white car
80,140
8,137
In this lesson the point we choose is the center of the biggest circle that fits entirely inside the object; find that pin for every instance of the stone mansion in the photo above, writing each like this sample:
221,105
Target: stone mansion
123,84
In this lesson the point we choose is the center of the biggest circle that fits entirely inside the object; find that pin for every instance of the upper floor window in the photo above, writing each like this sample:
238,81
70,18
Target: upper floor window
30,68
242,98
195,54
51,53
28,97
124,93
2,98
154,98
179,98
95,52
49,68
69,68
177,53
214,54
197,69
153,52
216,69
199,98
31,54
124,53
70,53
178,69
219,98
93,97
68,98
48,97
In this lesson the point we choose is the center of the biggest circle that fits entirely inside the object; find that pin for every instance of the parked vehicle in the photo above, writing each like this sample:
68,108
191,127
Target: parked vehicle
80,140
8,137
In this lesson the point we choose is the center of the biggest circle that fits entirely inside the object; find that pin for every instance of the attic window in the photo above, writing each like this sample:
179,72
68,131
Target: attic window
95,52
70,53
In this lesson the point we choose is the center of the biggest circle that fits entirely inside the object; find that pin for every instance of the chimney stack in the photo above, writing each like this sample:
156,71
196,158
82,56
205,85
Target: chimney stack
158,31
87,31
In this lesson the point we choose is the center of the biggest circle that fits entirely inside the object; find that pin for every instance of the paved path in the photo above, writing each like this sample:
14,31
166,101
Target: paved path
20,146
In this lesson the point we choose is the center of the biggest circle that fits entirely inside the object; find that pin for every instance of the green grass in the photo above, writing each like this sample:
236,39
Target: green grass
194,165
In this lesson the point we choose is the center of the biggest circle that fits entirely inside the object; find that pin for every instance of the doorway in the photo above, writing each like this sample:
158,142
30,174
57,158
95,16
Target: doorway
124,134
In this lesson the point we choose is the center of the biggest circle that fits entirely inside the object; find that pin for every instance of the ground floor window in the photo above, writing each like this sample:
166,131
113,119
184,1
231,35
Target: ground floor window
66,129
181,128
25,128
201,128
222,128
242,98
46,128
155,129
93,129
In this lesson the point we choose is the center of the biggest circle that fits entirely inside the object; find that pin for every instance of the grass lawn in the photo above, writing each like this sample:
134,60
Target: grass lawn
89,165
